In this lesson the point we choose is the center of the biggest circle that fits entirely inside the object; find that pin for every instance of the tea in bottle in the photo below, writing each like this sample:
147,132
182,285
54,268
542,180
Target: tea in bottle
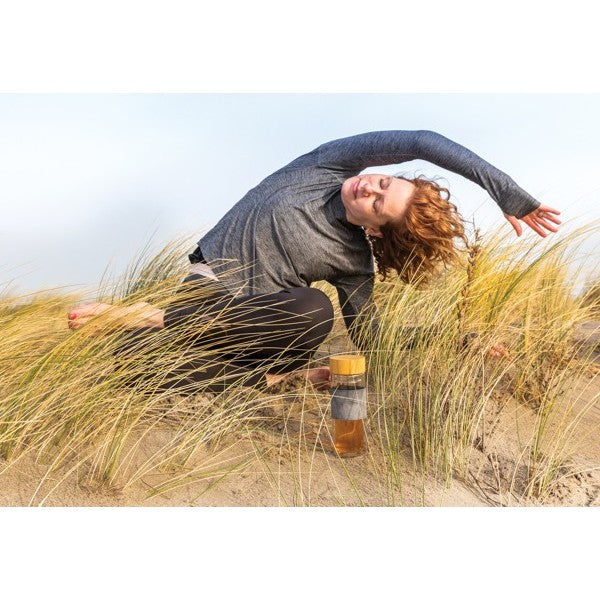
348,403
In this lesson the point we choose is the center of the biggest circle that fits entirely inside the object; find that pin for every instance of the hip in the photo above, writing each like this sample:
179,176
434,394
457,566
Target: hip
200,266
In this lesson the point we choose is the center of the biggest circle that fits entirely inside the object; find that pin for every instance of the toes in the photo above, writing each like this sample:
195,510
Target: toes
84,309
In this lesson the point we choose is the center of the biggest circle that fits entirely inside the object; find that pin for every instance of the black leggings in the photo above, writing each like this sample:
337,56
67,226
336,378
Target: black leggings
288,325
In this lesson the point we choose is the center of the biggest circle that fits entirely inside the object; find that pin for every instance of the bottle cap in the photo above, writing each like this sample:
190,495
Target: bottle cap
347,364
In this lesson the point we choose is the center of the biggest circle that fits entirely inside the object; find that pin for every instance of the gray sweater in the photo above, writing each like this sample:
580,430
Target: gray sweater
291,229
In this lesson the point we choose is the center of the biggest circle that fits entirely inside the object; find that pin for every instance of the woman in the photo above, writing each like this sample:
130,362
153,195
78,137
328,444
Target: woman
318,218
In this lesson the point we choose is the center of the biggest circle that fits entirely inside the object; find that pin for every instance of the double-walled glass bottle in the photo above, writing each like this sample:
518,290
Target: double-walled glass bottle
348,403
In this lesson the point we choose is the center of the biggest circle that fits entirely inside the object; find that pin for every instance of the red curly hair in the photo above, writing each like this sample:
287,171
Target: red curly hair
416,245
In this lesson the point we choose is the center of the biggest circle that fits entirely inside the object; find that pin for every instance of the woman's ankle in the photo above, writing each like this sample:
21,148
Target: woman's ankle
143,314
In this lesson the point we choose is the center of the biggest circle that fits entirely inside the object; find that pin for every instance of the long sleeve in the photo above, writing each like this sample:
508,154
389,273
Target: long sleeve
355,295
355,153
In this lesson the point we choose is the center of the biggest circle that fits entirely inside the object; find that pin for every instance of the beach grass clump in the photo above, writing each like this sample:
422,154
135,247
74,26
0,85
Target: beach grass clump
436,382
591,297
78,400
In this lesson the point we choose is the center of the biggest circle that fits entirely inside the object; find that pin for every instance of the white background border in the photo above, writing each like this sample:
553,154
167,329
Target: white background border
321,46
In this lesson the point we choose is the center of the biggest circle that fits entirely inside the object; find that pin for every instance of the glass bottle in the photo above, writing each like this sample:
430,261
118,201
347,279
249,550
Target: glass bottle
348,403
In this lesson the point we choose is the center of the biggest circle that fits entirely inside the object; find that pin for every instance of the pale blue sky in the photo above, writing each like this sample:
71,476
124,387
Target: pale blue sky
86,179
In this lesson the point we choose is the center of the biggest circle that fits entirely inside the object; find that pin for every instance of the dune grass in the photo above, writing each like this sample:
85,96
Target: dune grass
434,406
434,398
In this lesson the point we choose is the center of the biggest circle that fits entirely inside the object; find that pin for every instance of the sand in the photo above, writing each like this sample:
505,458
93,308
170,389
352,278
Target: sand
267,468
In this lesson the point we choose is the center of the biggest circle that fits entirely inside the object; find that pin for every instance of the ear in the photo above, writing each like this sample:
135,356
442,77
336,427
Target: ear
373,232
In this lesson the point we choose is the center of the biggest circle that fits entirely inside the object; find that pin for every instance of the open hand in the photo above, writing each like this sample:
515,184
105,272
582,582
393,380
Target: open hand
498,350
543,216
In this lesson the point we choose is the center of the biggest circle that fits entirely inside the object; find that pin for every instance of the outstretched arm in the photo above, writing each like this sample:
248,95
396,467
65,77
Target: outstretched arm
353,154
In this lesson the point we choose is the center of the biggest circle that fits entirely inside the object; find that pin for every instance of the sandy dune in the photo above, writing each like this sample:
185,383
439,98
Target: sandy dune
267,468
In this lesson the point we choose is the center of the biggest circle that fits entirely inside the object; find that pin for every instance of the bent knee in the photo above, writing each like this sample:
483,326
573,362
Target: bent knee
313,303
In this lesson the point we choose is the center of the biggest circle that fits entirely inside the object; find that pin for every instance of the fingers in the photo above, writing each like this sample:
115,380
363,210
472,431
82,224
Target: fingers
514,222
541,218
532,222
536,226
548,209
500,351
543,214
496,351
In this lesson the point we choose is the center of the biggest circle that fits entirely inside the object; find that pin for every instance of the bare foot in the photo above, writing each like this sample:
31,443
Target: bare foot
80,315
140,314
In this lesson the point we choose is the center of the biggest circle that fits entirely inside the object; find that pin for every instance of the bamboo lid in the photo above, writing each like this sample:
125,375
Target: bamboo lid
347,364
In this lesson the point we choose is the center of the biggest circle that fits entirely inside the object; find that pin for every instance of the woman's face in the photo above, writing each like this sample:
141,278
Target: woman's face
373,200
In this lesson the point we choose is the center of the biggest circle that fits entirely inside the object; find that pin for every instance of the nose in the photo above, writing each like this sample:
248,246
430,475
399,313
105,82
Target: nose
366,189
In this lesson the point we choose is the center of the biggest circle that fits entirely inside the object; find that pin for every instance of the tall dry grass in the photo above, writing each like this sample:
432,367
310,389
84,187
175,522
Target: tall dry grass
71,403
66,401
434,400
